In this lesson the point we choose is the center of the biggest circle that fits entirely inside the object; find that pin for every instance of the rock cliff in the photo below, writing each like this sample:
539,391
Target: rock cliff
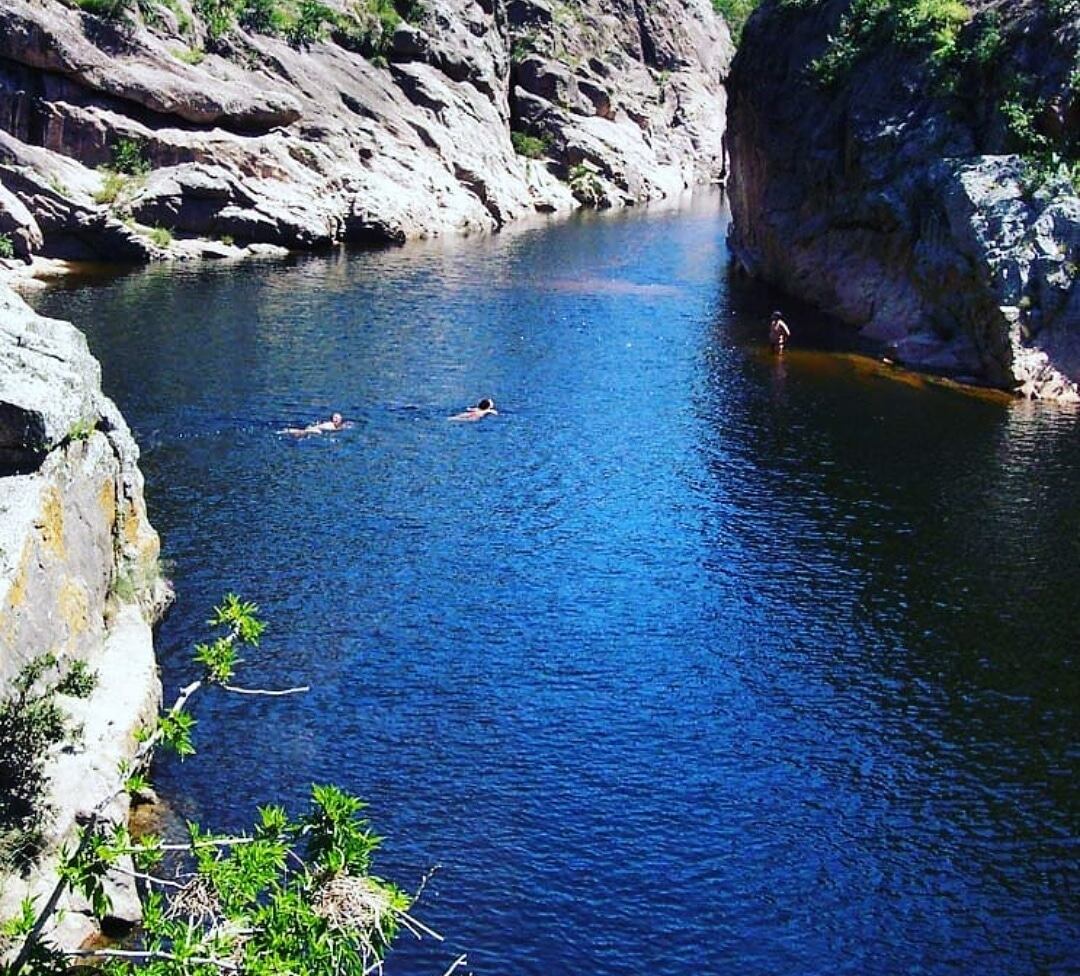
911,176
78,569
153,130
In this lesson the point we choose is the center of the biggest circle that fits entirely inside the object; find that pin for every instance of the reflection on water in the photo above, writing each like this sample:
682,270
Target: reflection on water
693,660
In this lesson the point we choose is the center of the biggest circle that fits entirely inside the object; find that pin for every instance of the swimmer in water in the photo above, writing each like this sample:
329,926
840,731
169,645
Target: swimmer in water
779,333
336,422
483,408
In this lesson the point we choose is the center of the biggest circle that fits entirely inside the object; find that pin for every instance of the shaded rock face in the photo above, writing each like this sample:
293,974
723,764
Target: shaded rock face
303,148
898,208
78,566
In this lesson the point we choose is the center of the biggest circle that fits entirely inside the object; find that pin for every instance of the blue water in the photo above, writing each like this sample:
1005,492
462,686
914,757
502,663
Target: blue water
690,661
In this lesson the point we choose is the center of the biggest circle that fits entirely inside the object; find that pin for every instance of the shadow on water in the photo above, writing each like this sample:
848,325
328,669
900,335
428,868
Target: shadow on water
692,660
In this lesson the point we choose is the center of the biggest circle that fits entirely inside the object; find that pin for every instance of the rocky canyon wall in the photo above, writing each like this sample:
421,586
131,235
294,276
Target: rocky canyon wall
78,575
254,136
895,180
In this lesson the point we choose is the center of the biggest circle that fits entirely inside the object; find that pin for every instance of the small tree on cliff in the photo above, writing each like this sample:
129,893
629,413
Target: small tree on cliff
293,895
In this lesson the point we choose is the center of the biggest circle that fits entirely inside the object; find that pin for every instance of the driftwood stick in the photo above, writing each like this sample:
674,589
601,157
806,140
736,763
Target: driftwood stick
460,961
273,693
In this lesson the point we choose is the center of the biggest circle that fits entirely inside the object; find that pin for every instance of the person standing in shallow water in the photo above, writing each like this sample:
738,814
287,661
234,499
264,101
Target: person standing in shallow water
779,333
483,408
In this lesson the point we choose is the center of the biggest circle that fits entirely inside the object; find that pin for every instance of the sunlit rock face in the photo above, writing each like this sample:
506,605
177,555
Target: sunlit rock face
896,204
79,575
252,139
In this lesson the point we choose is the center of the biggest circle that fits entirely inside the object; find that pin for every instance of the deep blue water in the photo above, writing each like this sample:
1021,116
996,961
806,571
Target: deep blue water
691,661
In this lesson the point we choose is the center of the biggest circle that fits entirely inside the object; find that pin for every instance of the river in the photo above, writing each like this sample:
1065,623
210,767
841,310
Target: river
691,661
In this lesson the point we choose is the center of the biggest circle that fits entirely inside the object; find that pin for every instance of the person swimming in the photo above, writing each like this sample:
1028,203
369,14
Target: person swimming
483,408
336,422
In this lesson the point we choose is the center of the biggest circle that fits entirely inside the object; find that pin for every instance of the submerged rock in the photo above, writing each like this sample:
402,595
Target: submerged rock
887,190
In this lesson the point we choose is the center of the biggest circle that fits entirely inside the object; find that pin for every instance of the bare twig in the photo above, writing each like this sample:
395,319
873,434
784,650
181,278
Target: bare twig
267,691
460,961
406,917
159,954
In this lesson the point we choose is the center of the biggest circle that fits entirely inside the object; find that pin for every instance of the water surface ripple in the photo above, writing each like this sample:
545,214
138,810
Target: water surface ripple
689,662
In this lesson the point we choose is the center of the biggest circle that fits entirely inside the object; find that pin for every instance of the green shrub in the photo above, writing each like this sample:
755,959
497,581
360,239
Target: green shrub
191,55
311,22
294,894
261,16
218,16
736,13
930,26
128,156
161,236
585,185
109,9
32,722
7,246
531,147
81,430
112,188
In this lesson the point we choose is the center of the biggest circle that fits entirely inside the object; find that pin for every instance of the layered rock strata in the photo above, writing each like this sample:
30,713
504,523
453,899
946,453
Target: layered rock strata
251,139
78,574
893,203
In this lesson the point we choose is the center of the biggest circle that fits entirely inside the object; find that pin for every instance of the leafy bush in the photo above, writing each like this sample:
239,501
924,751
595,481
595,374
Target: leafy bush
128,156
585,185
292,895
110,9
736,13
932,26
7,246
32,722
112,188
310,24
531,147
161,236
218,16
191,55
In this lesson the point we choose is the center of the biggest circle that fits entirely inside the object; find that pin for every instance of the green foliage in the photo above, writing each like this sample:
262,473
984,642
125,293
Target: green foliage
218,16
129,157
312,19
32,722
112,188
109,9
585,185
1045,160
161,236
7,246
928,26
174,732
21,924
81,430
240,617
531,147
292,895
736,13
219,658
190,55
262,16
